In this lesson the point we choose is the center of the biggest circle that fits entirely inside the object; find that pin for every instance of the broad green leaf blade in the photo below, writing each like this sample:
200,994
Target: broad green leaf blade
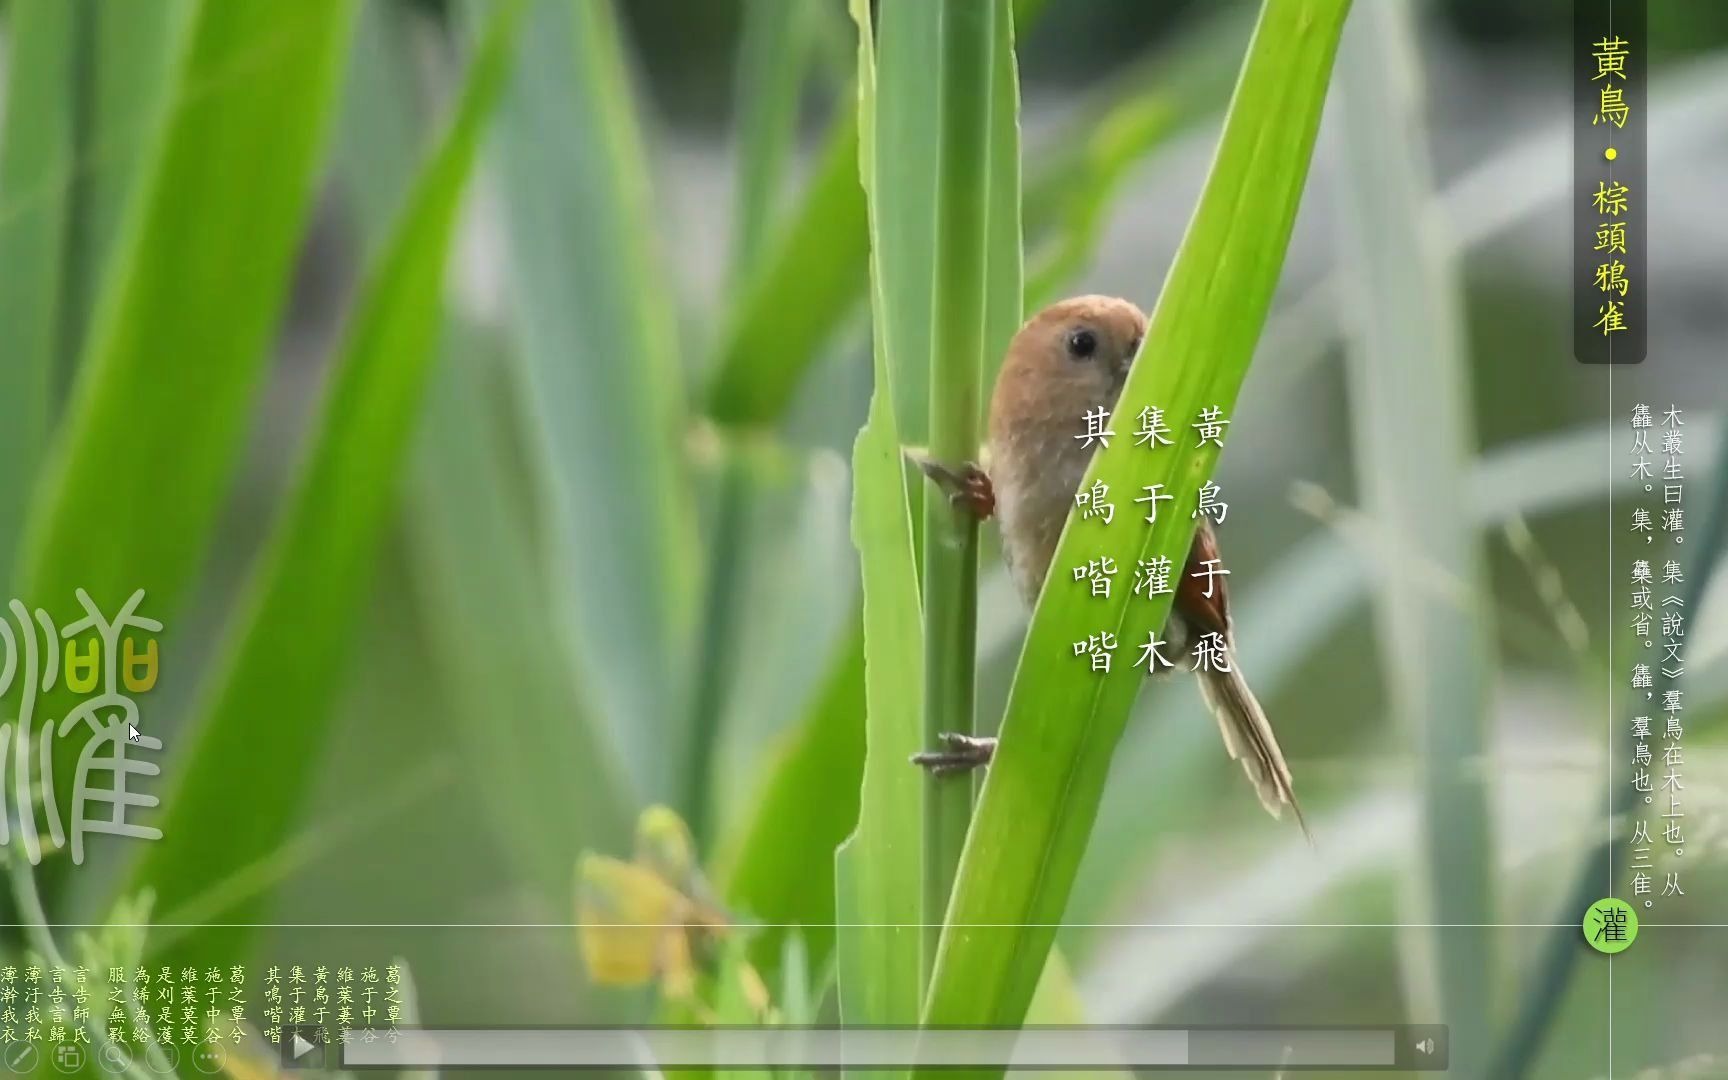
508,697
1063,720
269,704
143,457
879,869
382,131
595,320
132,48
901,191
202,273
85,87
37,159
522,720
797,601
1409,377
773,54
878,872
738,472
777,545
774,870
811,278
1027,10
801,799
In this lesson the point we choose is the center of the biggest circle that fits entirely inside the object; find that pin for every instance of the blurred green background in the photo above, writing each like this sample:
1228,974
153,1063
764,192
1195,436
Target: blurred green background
477,415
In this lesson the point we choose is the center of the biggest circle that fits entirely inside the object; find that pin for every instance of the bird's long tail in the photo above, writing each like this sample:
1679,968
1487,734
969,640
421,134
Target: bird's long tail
1249,738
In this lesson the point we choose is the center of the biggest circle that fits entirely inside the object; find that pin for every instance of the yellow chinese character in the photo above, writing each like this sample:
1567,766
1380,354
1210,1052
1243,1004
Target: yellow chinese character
1611,237
83,666
1613,318
1610,56
139,669
1611,277
1610,198
1613,107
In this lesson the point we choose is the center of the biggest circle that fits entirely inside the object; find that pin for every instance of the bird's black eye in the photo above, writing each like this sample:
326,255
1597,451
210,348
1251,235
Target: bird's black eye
1082,344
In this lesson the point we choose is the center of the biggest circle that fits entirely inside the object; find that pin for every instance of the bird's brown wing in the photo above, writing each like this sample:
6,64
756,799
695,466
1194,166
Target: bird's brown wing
1210,613
1247,733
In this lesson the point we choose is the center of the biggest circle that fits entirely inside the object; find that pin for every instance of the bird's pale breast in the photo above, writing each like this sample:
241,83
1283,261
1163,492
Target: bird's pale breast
1035,484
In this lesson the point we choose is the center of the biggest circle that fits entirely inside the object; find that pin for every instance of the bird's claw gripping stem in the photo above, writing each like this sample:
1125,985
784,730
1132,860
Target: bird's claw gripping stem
967,487
960,753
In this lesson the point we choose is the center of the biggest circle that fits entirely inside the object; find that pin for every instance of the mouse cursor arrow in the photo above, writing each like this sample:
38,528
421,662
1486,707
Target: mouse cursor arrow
132,733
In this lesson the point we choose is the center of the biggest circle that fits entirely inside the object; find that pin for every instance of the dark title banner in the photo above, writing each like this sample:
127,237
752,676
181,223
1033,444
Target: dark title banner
1610,195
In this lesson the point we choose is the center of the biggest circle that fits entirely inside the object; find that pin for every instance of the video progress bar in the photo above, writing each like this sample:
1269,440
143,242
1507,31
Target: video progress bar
1406,1047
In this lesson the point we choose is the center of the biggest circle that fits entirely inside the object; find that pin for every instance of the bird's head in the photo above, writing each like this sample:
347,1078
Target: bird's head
1069,358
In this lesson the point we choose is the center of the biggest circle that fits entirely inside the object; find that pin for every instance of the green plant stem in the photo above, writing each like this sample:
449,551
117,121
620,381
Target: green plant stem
1596,877
950,533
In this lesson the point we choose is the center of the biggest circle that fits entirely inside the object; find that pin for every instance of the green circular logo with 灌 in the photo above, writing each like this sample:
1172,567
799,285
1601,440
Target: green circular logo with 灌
1610,925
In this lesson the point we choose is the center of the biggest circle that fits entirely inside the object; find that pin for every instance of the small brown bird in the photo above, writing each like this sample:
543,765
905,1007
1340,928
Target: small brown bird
1071,358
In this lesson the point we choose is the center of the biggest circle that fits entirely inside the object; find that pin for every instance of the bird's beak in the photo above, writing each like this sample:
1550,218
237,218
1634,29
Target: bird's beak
1128,360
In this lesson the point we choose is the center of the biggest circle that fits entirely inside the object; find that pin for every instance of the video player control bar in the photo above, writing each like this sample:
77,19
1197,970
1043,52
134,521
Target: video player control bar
1412,1048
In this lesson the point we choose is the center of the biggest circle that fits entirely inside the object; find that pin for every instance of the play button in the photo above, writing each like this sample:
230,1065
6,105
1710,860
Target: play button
303,1047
